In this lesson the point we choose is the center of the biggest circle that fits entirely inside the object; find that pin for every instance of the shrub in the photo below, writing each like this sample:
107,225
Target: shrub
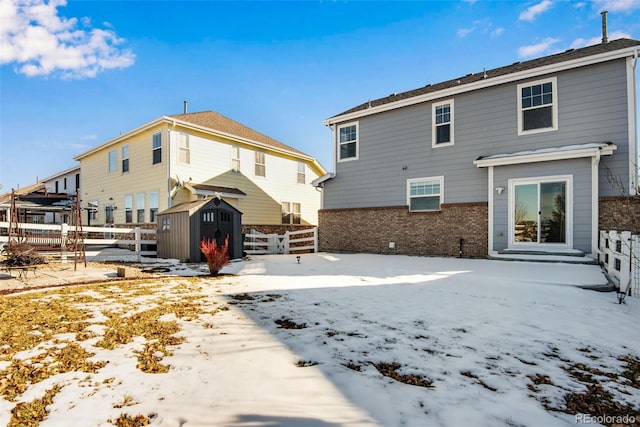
217,256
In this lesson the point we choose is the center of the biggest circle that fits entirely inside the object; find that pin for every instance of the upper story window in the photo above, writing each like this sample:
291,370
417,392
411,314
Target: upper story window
125,158
235,158
302,179
113,160
442,123
538,106
348,141
64,183
57,189
261,167
425,194
157,148
290,213
184,152
77,182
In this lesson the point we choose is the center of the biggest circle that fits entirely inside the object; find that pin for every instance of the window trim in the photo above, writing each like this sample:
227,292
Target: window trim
128,209
184,150
428,178
235,158
124,151
291,212
554,106
155,148
301,177
140,207
356,141
434,126
113,160
256,164
153,210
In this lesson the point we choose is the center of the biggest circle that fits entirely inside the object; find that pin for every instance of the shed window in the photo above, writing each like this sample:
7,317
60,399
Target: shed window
208,217
165,224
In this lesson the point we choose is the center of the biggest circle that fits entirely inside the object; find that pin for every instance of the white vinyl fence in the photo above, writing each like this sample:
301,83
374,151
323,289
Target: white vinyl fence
259,243
61,235
620,256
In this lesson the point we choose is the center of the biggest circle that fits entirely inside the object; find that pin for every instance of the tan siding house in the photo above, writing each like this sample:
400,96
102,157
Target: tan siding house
194,156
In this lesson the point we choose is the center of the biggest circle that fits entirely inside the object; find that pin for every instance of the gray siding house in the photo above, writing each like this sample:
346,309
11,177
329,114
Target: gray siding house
519,158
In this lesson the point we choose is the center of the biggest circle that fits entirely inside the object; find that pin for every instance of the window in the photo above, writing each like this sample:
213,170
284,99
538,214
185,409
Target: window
113,160
184,154
260,169
64,184
166,224
425,194
77,182
57,189
290,213
128,209
108,214
442,124
538,106
140,207
92,211
157,148
153,206
235,158
125,158
301,173
348,141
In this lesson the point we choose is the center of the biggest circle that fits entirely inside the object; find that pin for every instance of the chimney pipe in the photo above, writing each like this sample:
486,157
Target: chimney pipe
186,103
605,35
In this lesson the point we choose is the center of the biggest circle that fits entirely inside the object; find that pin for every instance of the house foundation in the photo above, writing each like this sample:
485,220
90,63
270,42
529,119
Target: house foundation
455,230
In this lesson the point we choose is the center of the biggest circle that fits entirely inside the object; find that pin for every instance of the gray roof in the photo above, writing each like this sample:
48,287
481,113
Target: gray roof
567,55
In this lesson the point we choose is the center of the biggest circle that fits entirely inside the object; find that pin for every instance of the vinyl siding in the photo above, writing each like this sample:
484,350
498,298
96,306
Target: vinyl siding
396,145
99,184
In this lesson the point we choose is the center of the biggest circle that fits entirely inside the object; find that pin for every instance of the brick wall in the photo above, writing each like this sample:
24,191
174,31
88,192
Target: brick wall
416,233
619,213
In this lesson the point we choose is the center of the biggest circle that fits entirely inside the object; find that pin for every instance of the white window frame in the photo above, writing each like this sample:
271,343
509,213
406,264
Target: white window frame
554,106
293,210
302,173
410,181
113,160
184,149
356,142
92,208
154,204
235,158
125,158
140,199
257,163
434,130
128,209
157,137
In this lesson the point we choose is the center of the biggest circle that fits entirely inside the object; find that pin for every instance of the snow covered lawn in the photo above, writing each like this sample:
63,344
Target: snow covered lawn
335,340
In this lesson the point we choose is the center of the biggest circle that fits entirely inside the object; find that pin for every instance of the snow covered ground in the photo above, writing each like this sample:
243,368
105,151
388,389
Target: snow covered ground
304,343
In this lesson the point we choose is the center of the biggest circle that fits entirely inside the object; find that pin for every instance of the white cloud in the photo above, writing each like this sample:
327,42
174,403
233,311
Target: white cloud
617,5
532,12
463,32
497,32
40,42
537,49
484,26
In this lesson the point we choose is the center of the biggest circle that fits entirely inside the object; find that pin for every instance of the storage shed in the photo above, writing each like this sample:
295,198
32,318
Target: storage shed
182,227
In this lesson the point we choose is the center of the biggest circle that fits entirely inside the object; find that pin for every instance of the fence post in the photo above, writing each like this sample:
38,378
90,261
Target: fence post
64,233
612,246
138,245
603,248
315,240
285,242
625,260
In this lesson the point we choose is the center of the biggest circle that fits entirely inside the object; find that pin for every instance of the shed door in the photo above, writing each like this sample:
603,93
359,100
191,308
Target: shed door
217,224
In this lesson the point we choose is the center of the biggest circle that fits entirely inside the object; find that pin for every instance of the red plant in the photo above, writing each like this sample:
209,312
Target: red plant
217,256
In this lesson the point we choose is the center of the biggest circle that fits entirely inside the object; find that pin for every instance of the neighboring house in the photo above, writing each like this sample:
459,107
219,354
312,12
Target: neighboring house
520,158
186,157
34,204
66,182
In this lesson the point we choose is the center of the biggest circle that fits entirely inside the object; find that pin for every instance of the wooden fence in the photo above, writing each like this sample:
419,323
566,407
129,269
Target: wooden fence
258,243
58,237
620,256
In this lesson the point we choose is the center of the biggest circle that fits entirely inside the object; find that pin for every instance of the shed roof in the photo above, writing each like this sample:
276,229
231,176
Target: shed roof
194,206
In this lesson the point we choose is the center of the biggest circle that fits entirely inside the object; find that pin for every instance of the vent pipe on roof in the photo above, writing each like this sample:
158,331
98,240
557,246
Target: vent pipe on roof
186,104
605,32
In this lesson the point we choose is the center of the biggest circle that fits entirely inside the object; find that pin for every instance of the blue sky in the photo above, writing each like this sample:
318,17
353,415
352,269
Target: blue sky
75,74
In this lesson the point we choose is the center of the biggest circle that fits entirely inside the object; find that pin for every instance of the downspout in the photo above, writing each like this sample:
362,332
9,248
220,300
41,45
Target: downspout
169,164
595,212
633,152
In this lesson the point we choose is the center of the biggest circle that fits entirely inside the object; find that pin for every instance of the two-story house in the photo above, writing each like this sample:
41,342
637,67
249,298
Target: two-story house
131,178
532,156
